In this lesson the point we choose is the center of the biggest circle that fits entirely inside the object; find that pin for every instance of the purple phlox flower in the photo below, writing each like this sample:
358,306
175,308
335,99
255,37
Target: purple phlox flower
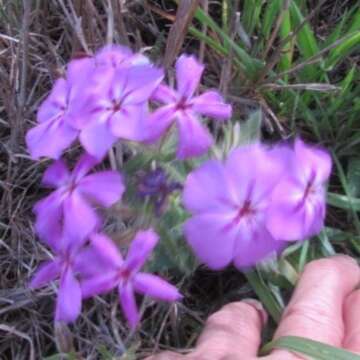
63,267
56,130
67,210
182,107
229,203
119,56
115,106
298,206
125,274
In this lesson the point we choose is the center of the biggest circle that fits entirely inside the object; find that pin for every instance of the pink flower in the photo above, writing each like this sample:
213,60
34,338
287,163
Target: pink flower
117,56
115,105
65,268
229,203
183,107
124,274
298,206
67,211
56,130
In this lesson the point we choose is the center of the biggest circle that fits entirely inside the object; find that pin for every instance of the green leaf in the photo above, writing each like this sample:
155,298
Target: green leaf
271,13
250,65
287,51
305,39
353,175
314,349
250,129
264,294
250,14
343,201
342,50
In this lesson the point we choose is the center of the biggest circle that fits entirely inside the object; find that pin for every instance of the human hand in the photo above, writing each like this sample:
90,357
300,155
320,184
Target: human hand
324,307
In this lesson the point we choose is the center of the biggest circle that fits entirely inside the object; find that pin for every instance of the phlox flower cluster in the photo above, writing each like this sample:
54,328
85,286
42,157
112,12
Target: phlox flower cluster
255,202
243,209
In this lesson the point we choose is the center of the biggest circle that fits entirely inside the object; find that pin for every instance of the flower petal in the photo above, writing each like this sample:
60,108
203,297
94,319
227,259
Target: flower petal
211,104
158,122
49,213
56,174
55,104
110,184
164,94
141,82
68,306
80,220
312,160
194,138
97,139
106,248
112,55
129,123
128,304
155,287
254,172
100,283
207,189
140,249
290,216
83,166
255,247
211,242
188,75
46,272
50,138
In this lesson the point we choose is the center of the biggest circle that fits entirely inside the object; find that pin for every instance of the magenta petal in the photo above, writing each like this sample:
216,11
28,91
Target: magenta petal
256,170
110,183
55,104
211,104
311,159
83,166
158,122
141,82
106,249
112,55
49,213
128,304
100,283
97,139
164,94
80,220
140,249
50,138
210,239
68,306
188,74
155,287
208,189
292,216
46,272
129,123
56,174
255,247
194,138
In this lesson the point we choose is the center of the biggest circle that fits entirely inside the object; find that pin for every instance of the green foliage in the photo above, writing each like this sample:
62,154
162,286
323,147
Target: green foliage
314,349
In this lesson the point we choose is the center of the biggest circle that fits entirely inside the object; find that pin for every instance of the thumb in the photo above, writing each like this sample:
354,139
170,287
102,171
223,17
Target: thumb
234,332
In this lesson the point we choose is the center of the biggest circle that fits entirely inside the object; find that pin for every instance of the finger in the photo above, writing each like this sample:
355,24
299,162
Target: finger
315,310
234,330
352,322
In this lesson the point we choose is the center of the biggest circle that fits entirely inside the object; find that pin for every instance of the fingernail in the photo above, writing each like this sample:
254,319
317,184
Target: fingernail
259,307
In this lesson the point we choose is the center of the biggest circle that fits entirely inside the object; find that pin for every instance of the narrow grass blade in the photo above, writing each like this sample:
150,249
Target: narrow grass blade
343,50
250,64
314,349
271,13
343,202
265,295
